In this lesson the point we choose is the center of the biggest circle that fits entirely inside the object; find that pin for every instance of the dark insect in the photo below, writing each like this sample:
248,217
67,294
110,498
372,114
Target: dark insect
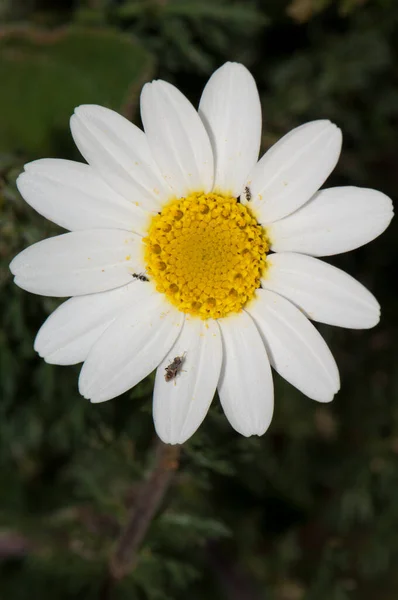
174,367
140,276
248,194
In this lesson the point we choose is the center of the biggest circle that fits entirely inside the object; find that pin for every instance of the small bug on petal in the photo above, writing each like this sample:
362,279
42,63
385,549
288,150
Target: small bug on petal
248,194
140,276
174,367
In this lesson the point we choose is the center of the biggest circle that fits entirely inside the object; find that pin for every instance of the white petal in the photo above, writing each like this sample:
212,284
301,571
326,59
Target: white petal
293,170
69,333
119,152
75,197
336,220
321,291
81,262
180,405
231,111
130,349
295,348
177,138
245,388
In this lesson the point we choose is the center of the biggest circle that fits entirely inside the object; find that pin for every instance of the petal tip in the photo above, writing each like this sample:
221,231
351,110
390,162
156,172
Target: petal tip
259,429
83,386
389,206
73,121
96,397
20,179
373,319
165,434
328,394
171,441
37,346
13,266
231,64
83,109
327,398
326,126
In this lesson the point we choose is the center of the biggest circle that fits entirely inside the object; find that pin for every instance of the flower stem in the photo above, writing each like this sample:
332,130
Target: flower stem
151,494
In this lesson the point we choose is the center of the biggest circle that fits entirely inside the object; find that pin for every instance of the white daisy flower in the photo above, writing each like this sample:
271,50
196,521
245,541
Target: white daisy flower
188,256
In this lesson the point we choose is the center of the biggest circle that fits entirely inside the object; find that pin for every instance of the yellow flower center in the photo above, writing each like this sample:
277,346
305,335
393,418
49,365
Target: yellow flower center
206,253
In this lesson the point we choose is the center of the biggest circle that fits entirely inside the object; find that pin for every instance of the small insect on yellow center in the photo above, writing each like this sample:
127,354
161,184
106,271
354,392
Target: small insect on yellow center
206,253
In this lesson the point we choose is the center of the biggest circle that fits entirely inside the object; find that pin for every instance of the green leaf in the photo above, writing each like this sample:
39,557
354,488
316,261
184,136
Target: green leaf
45,75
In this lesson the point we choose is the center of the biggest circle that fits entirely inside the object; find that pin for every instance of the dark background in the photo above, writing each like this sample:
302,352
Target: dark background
310,510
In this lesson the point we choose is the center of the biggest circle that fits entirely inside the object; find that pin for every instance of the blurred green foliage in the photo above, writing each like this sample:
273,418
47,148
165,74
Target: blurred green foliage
307,512
48,73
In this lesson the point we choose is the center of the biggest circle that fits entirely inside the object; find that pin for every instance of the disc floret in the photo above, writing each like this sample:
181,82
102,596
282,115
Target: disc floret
206,253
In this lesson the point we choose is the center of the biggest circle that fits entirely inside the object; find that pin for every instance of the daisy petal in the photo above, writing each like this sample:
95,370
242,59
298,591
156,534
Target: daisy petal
336,220
81,262
180,405
69,333
75,197
245,388
293,170
231,111
323,292
130,349
177,138
119,152
295,348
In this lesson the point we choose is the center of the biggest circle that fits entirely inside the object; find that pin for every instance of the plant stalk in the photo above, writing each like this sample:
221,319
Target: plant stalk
125,555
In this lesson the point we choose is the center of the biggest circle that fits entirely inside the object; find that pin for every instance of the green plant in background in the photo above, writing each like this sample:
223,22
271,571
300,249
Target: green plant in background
307,512
48,73
193,36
